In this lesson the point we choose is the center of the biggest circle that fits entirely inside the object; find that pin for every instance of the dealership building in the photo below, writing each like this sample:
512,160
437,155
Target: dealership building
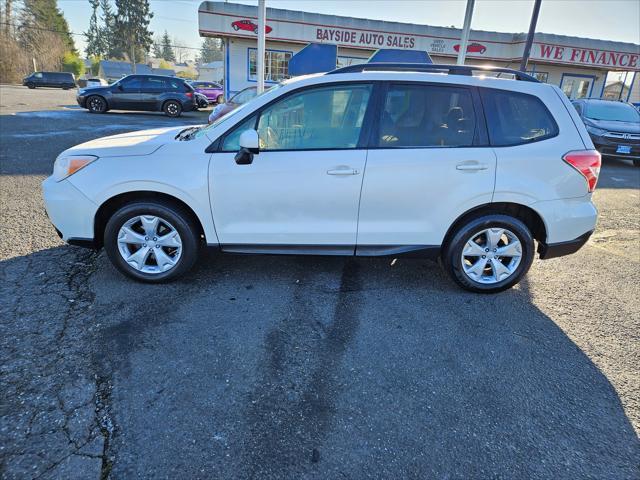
582,67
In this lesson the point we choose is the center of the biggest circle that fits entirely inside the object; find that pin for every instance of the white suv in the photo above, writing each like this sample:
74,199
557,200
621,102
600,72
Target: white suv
368,160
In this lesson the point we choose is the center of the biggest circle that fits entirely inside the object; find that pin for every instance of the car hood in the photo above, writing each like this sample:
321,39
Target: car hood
615,126
129,144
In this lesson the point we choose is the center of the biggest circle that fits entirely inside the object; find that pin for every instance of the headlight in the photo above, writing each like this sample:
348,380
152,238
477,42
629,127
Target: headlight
66,166
595,130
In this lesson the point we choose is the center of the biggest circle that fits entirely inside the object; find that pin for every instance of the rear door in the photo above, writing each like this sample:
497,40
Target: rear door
427,164
151,91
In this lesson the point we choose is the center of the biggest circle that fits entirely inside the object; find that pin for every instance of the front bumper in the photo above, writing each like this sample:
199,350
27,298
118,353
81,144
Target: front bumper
608,147
81,99
70,211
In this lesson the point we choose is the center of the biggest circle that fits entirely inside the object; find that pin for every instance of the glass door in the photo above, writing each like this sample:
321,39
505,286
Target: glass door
576,86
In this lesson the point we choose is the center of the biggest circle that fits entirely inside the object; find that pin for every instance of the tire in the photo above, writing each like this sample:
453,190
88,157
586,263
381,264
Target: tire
96,104
171,218
636,162
219,99
474,238
31,85
171,108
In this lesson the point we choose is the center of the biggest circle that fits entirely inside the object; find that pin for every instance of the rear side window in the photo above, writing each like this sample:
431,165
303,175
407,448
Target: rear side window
515,118
415,116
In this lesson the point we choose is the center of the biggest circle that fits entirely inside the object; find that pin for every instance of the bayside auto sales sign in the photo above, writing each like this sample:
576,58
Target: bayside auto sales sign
237,20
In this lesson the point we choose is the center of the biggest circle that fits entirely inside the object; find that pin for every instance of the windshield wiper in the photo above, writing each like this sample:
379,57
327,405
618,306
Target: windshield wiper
187,133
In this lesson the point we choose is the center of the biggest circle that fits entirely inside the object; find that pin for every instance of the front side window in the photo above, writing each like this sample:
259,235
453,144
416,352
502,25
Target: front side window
515,118
321,118
426,116
276,65
231,141
131,83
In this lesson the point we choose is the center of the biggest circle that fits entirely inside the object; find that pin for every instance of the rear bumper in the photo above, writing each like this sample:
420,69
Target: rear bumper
553,250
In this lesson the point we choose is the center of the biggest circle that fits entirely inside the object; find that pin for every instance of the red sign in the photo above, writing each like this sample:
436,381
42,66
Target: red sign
588,56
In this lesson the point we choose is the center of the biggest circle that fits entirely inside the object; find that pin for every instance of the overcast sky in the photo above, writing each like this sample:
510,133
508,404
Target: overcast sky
603,19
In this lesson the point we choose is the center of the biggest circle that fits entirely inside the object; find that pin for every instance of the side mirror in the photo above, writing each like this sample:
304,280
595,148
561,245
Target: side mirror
120,87
249,145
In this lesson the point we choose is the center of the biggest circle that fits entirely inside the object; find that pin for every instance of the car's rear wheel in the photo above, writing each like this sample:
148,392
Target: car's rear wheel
96,104
219,99
31,85
152,241
172,108
489,254
636,162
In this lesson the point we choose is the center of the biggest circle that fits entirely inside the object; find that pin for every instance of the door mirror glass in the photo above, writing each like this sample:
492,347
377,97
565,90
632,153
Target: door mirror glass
249,140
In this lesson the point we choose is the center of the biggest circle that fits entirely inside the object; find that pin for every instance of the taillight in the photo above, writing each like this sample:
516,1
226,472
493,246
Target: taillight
189,94
587,162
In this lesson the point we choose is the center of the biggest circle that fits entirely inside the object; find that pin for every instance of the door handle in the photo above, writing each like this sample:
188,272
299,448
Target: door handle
343,171
471,167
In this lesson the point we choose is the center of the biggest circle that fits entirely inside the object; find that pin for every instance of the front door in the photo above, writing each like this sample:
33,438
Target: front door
126,93
576,86
424,169
302,190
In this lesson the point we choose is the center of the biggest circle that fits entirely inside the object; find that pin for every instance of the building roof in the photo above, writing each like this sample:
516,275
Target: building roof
214,64
117,69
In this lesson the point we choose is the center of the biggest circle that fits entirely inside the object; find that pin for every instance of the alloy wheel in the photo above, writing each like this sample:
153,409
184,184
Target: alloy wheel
491,255
149,244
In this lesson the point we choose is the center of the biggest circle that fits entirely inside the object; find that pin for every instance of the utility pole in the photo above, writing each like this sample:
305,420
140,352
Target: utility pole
530,35
464,40
262,17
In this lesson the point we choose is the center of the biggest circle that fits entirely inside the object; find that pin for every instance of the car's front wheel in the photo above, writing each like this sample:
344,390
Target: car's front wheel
152,241
489,254
31,85
96,104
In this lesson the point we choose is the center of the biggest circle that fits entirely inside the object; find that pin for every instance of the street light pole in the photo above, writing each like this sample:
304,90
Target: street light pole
465,32
530,35
262,16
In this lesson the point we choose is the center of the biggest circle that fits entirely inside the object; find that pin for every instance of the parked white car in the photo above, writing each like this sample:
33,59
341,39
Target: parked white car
367,160
96,82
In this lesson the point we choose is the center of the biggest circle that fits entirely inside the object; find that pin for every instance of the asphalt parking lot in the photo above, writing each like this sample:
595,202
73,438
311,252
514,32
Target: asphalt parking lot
305,367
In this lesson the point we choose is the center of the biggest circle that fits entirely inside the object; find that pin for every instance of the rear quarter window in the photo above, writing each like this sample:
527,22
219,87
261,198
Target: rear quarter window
515,118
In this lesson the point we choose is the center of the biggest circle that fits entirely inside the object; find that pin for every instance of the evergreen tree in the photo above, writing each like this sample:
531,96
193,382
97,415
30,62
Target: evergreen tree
157,47
210,51
45,15
95,44
107,31
167,49
131,28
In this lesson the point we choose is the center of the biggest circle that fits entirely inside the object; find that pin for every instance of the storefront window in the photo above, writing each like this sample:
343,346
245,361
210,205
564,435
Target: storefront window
276,66
347,61
617,85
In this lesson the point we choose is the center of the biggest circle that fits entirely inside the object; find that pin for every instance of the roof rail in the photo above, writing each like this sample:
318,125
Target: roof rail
432,68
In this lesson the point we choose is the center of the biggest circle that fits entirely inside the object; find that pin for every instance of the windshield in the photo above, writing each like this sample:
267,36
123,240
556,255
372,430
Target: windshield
235,112
612,111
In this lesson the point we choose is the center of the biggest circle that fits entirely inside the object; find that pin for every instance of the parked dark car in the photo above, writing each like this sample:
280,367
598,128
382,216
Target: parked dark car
64,80
201,100
614,127
154,93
